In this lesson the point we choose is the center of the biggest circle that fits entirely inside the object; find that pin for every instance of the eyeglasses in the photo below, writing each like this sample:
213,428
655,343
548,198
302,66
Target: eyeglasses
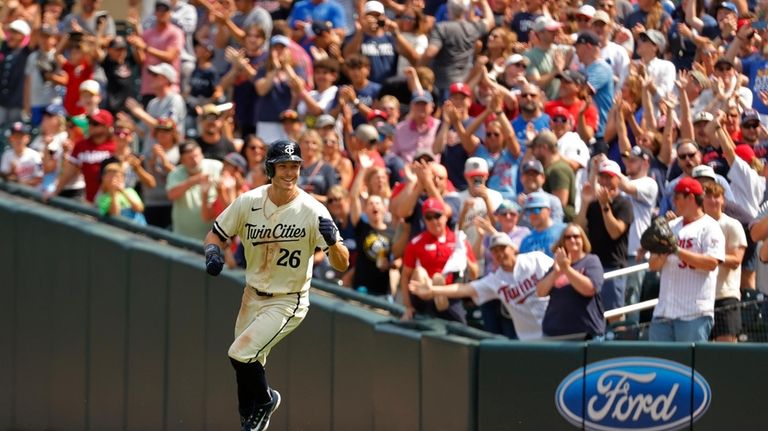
528,95
750,126
723,68
536,211
560,120
508,214
490,134
432,216
574,236
686,156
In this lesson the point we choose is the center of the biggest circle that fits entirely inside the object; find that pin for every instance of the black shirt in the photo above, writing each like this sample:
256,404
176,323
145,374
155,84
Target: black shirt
216,151
12,65
612,252
373,244
120,82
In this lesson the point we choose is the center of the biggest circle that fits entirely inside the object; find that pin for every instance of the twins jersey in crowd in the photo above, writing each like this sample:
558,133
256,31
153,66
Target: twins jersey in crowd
517,291
686,293
279,242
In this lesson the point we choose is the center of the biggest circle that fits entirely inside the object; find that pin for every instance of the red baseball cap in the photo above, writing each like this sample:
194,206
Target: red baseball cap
433,205
689,185
559,111
377,113
102,117
460,87
745,152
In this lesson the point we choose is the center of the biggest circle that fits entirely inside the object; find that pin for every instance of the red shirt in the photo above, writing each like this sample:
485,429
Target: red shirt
88,157
590,115
76,74
432,252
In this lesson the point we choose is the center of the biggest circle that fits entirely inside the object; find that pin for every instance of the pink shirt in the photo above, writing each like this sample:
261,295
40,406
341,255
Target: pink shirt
410,139
171,36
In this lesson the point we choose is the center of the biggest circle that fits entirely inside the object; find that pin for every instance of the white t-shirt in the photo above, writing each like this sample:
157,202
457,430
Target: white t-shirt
642,206
729,280
27,166
686,293
323,99
663,75
476,208
572,147
279,242
618,58
517,291
747,185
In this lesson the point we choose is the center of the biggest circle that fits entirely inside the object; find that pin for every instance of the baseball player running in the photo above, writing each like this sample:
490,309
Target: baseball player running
280,226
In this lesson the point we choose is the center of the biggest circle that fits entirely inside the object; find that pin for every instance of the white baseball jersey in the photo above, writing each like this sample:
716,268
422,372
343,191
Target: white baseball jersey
28,165
279,242
517,291
477,208
729,280
686,293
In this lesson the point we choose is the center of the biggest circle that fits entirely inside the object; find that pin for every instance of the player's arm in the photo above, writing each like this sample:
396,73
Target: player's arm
214,258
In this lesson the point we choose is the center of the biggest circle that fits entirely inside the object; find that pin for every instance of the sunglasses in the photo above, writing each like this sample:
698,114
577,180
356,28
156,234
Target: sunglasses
575,236
528,95
686,156
490,134
94,123
536,211
723,68
432,216
750,126
560,120
508,214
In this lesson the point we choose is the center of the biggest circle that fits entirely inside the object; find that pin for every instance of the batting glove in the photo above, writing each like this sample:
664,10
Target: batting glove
328,230
214,260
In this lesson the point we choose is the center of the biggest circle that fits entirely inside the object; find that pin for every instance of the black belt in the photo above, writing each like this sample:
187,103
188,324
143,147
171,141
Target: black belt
260,293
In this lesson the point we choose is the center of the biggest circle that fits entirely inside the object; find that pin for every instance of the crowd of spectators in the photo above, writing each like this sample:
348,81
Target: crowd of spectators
506,151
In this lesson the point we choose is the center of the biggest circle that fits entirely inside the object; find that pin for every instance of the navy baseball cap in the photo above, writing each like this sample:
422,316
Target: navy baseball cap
533,165
730,6
588,37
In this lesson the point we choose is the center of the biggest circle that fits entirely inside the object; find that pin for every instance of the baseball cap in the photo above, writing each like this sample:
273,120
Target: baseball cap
500,239
50,30
460,87
385,130
103,117
703,171
559,111
165,123
750,115
280,40
475,166
373,7
545,137
118,42
367,133
533,165
19,127
586,10
238,161
166,3
730,6
290,115
20,26
165,70
508,206
432,205
210,109
657,38
601,16
745,152
515,59
724,60
424,153
609,167
703,116
424,96
56,110
640,152
377,113
90,86
325,120
321,26
543,23
689,185
537,200
588,37
700,77
572,76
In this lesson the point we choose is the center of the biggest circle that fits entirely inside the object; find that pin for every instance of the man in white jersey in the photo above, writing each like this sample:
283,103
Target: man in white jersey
685,311
280,226
514,283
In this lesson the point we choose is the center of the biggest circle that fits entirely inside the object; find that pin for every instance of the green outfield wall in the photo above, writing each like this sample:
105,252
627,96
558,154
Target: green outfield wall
102,329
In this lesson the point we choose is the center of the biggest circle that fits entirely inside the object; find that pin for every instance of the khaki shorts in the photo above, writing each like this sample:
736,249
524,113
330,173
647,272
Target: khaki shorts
265,320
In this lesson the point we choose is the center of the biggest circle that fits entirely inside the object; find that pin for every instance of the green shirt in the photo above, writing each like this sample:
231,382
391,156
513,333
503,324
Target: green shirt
186,214
559,176
542,63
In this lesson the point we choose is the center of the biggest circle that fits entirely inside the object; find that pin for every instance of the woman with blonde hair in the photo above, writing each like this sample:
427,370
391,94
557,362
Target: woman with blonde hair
332,154
317,176
573,285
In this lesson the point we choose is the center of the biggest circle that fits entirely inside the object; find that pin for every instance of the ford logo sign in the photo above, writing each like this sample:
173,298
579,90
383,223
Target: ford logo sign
633,393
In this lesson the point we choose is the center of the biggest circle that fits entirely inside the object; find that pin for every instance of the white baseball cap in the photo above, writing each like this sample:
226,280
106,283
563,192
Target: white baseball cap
166,70
20,26
587,11
373,7
609,167
703,171
475,166
90,86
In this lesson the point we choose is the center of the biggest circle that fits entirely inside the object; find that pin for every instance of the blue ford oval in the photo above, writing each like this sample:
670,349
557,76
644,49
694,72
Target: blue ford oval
633,393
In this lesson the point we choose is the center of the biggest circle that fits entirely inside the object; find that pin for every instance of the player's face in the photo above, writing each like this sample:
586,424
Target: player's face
286,175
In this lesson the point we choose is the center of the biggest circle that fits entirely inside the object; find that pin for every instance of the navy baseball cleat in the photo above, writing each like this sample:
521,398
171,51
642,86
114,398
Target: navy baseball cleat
259,420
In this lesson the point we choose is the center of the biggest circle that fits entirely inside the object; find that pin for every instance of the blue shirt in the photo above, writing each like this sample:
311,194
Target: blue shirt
380,50
504,176
328,10
542,241
756,68
600,77
519,124
522,24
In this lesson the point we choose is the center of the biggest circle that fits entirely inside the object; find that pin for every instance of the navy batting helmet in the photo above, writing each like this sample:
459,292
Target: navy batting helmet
282,150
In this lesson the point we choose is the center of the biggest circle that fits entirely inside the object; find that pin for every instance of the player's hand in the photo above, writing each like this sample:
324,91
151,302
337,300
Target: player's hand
214,259
328,230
